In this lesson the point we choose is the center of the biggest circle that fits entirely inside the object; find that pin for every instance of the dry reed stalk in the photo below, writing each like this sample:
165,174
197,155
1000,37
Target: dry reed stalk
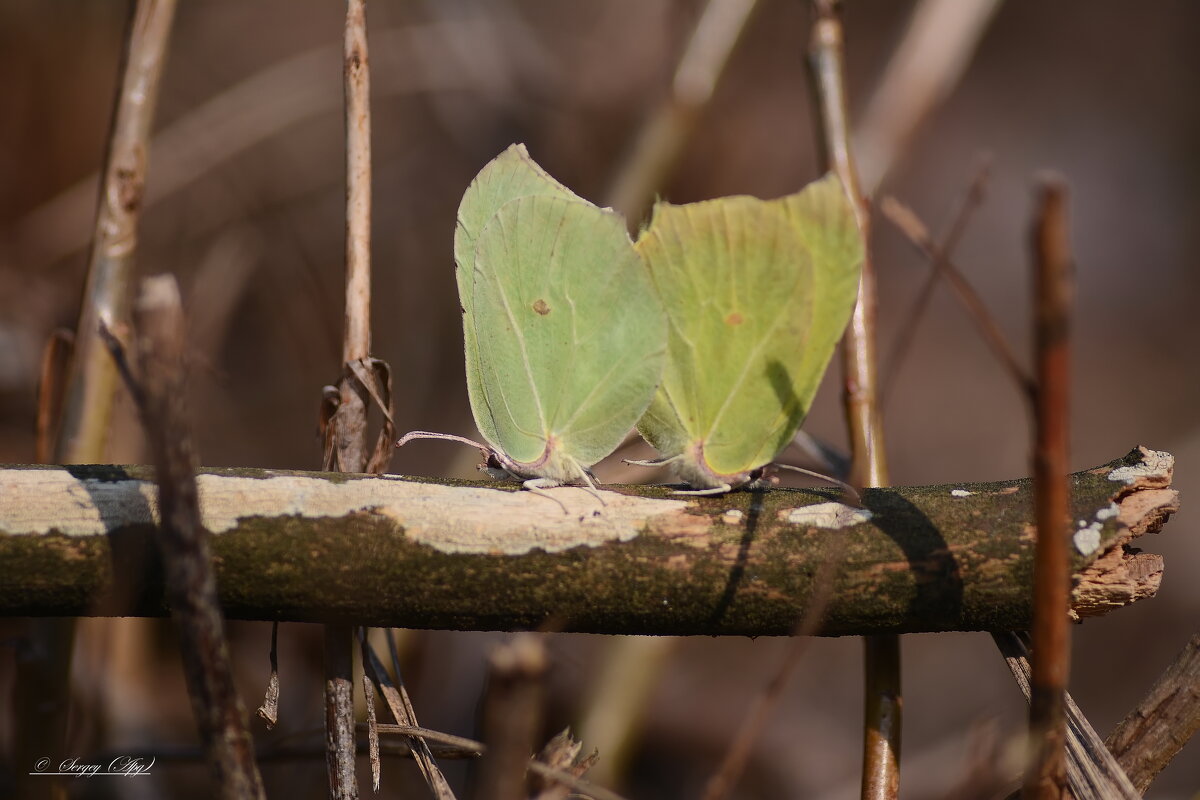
1046,778
91,382
883,700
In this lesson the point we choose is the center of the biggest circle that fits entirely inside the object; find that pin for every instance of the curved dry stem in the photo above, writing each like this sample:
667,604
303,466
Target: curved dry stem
661,140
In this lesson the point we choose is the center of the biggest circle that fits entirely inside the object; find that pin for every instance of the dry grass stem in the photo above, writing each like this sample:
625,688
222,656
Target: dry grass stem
563,753
346,428
398,702
908,223
1163,722
90,381
372,722
1092,771
883,701
619,699
931,58
584,789
56,356
237,118
632,667
269,710
661,140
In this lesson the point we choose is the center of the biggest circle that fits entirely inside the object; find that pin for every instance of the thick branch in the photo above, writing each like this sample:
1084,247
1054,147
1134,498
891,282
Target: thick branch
1163,722
453,555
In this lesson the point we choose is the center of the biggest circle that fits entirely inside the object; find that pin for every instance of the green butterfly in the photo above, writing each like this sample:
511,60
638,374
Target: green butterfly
564,335
757,294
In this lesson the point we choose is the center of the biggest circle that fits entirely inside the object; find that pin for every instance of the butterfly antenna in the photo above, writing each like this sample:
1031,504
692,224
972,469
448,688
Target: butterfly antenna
846,487
829,457
651,462
408,437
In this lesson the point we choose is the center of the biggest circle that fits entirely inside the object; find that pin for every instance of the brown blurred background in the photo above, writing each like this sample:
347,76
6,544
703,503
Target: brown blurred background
244,204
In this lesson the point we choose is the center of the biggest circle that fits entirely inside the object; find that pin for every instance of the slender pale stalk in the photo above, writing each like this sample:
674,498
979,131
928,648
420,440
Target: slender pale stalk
924,68
349,427
91,380
356,344
662,138
883,701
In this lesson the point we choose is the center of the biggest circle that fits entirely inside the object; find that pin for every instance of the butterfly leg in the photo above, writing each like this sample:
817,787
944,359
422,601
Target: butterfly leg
724,488
539,486
589,481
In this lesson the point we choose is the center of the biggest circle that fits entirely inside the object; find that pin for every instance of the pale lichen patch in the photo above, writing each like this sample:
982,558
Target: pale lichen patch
1087,539
451,519
458,520
1155,466
38,508
826,515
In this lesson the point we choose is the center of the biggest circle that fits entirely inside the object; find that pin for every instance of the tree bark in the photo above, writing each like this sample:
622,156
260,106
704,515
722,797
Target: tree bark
394,551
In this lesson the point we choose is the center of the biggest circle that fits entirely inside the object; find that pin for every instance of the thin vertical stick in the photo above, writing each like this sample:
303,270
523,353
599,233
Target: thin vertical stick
1046,777
347,445
350,424
661,140
356,344
340,745
191,585
882,707
91,380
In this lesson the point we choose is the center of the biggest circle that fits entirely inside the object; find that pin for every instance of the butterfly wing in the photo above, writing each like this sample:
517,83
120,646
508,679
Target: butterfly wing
757,294
570,334
821,216
510,175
